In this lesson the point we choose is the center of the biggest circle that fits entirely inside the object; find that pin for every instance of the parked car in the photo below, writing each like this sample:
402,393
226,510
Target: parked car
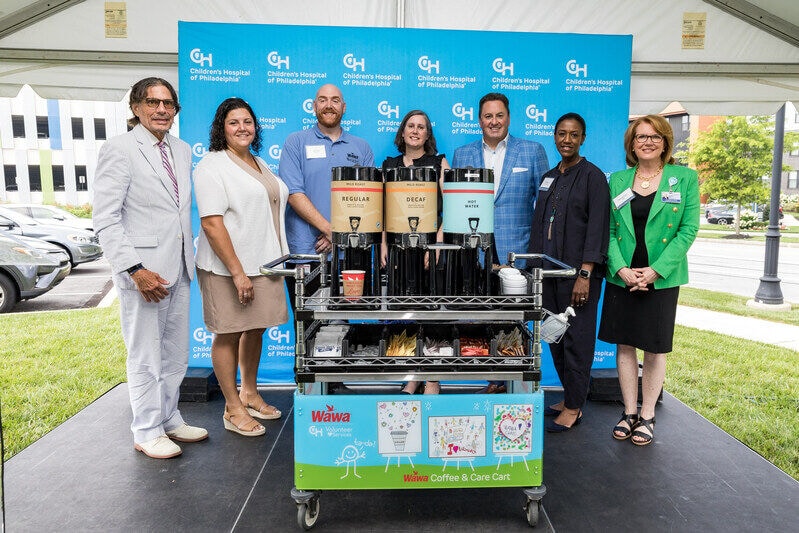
26,271
50,214
82,246
720,215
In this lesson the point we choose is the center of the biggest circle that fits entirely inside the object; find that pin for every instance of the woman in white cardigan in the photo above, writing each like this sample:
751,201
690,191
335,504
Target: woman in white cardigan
241,204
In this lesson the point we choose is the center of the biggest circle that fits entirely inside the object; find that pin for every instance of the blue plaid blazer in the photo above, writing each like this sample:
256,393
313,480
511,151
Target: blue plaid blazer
525,163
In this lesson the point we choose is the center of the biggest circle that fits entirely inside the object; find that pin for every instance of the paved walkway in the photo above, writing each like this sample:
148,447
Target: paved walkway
742,327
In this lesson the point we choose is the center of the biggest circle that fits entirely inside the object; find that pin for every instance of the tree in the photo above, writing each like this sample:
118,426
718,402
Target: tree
731,158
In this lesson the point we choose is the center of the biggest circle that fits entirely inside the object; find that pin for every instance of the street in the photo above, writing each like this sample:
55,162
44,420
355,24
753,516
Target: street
736,267
85,286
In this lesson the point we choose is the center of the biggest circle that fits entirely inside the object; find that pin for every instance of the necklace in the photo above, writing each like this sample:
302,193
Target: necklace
646,179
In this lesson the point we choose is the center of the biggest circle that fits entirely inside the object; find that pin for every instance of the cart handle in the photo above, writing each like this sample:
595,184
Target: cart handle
269,269
566,272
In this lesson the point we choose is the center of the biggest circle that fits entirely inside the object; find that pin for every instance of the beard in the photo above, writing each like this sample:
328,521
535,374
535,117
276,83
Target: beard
328,117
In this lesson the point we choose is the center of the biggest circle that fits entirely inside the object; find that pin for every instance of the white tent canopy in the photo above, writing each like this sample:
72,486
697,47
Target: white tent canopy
749,63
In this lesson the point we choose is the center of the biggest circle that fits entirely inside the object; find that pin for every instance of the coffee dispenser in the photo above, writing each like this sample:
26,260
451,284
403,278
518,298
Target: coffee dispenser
411,216
356,219
468,223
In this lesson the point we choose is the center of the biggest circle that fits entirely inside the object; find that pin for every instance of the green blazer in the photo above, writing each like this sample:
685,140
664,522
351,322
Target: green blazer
670,229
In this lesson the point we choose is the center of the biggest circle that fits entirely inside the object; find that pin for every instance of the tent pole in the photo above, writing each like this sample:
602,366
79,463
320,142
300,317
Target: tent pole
400,13
769,291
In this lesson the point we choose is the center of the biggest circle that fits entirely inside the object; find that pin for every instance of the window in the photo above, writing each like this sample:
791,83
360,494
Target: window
18,126
42,128
81,183
99,129
58,177
77,128
34,178
792,180
685,123
10,172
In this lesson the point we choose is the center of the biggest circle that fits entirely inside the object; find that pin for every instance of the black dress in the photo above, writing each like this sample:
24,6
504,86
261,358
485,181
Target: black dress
643,319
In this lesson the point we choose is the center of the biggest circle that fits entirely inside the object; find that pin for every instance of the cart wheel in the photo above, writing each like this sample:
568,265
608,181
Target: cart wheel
532,510
307,513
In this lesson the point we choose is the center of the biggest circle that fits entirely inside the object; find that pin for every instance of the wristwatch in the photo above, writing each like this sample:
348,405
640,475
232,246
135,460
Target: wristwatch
583,273
135,268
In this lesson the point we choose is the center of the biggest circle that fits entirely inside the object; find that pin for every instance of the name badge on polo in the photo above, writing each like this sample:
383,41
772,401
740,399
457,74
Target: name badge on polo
624,198
315,151
670,197
546,184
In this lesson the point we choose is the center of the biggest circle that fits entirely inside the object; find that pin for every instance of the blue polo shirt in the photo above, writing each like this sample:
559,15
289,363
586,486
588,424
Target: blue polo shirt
305,166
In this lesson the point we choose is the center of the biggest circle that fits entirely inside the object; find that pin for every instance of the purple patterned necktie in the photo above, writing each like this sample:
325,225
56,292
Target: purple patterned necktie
168,167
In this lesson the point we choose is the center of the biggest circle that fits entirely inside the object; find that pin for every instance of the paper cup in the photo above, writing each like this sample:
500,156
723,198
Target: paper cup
353,283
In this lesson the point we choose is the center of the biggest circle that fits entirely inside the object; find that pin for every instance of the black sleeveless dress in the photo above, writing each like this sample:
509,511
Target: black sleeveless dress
644,319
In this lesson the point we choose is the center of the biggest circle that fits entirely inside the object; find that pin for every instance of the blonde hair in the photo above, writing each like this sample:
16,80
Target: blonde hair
661,126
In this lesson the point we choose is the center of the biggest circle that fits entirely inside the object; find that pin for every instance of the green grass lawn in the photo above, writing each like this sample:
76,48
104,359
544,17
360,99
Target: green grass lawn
54,364
734,304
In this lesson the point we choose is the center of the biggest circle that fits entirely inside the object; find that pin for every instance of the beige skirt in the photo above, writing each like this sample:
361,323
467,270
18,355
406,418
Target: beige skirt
223,313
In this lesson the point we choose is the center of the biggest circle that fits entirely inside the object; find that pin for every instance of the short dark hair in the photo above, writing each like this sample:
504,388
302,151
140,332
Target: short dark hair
429,144
139,92
491,97
571,116
217,140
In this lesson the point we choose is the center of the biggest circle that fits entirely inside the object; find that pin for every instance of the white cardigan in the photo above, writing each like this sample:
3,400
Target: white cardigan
223,188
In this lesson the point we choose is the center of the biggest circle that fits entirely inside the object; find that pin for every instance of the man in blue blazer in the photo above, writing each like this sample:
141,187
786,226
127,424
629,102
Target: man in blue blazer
518,166
142,216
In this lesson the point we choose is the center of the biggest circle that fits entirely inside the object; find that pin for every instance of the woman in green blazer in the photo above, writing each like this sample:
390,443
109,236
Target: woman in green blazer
654,217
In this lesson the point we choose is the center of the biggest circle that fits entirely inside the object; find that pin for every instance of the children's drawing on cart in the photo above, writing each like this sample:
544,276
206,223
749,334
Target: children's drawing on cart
349,456
457,438
399,431
512,431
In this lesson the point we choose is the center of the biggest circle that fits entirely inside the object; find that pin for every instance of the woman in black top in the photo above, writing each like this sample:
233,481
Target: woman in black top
417,146
570,224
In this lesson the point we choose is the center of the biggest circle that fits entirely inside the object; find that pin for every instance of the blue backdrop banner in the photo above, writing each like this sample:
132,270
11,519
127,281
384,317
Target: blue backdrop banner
384,73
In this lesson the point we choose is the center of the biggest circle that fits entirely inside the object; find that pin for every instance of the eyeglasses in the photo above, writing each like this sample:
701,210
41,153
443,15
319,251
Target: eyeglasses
153,103
641,138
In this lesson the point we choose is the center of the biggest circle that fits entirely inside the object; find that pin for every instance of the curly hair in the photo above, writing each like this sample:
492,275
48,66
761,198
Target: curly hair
217,142
661,126
429,145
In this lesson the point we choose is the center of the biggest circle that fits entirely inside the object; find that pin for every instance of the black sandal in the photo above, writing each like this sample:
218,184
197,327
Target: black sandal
648,438
630,420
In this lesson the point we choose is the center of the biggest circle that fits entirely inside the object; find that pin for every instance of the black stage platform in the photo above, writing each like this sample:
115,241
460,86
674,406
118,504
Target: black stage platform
85,476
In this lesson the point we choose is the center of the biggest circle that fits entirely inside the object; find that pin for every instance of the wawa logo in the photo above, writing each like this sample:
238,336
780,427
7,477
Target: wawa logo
415,477
329,415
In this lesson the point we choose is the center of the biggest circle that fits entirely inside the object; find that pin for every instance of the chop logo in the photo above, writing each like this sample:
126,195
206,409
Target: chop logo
575,69
501,67
462,112
203,336
428,65
315,431
329,415
275,151
274,59
198,149
197,56
274,331
307,106
534,113
352,63
386,110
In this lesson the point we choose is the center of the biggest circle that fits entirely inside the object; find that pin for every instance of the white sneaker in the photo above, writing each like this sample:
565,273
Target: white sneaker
159,448
187,433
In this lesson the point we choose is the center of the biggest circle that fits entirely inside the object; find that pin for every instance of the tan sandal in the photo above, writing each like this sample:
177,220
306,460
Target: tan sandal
264,412
247,428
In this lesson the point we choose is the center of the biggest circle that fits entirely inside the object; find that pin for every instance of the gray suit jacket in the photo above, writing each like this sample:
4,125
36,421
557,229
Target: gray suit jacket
135,214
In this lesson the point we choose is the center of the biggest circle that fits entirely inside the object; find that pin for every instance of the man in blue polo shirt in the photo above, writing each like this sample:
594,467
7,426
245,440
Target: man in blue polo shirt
305,166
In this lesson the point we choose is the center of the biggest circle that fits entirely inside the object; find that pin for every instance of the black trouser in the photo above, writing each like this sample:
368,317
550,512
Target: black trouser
574,354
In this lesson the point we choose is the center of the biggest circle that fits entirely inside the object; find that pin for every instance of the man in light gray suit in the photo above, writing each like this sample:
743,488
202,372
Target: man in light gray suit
142,215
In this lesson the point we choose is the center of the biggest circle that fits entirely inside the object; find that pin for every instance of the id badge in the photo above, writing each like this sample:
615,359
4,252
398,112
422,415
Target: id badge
315,151
671,197
546,184
624,198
